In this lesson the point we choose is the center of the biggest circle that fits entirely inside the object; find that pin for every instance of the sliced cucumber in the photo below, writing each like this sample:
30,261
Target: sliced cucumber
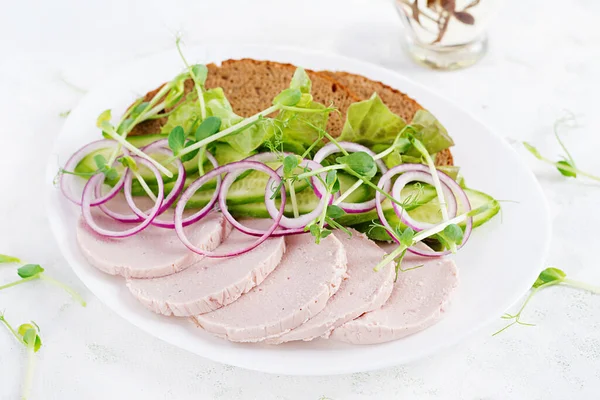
421,194
430,213
306,200
87,164
248,188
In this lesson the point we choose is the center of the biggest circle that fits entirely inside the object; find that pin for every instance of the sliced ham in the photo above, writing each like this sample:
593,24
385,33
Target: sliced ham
211,283
362,291
154,252
299,288
418,301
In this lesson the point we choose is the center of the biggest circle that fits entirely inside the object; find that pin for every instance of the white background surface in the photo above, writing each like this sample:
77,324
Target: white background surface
544,57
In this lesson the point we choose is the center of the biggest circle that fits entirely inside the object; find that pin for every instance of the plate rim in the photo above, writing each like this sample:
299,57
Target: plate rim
518,292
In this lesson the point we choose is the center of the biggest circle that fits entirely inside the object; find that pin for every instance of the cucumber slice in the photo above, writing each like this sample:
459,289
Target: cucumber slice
430,213
424,194
306,200
248,188
87,164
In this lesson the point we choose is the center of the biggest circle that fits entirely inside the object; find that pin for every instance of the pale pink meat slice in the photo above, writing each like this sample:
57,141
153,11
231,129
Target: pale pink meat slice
154,252
418,301
211,283
299,288
362,291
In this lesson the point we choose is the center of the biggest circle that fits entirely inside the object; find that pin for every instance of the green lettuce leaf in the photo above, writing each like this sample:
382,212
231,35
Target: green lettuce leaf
245,141
370,122
301,81
297,130
430,132
187,115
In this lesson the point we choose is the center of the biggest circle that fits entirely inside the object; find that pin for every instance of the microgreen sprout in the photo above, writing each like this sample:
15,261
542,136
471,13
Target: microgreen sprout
4,259
30,272
549,277
28,335
198,73
130,163
284,100
436,183
101,163
64,114
360,162
317,228
566,166
428,233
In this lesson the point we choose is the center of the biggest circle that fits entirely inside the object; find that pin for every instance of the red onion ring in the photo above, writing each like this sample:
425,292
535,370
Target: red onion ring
161,146
229,168
75,159
97,180
302,220
332,148
457,191
425,177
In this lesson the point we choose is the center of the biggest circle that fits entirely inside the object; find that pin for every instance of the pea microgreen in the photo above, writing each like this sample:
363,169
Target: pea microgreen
28,335
549,277
288,97
198,73
128,162
424,234
335,212
30,272
176,139
4,259
101,163
290,162
360,162
566,166
317,228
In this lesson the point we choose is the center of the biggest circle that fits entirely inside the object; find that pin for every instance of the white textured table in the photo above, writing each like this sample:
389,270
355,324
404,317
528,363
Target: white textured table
544,57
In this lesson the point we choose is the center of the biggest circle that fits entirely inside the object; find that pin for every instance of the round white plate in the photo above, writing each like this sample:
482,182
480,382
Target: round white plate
497,266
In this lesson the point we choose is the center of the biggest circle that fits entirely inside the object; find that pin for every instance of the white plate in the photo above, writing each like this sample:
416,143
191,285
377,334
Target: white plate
496,267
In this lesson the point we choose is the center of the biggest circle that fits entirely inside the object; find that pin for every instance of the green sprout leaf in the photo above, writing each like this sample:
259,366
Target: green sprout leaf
290,163
100,161
288,97
177,91
30,336
177,139
103,118
111,174
565,172
533,150
29,270
360,162
208,127
407,237
334,211
453,233
128,162
189,156
27,335
200,72
330,178
4,259
549,275
401,144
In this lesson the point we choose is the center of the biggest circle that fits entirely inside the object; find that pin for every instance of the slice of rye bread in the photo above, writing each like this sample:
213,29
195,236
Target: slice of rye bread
250,86
397,101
